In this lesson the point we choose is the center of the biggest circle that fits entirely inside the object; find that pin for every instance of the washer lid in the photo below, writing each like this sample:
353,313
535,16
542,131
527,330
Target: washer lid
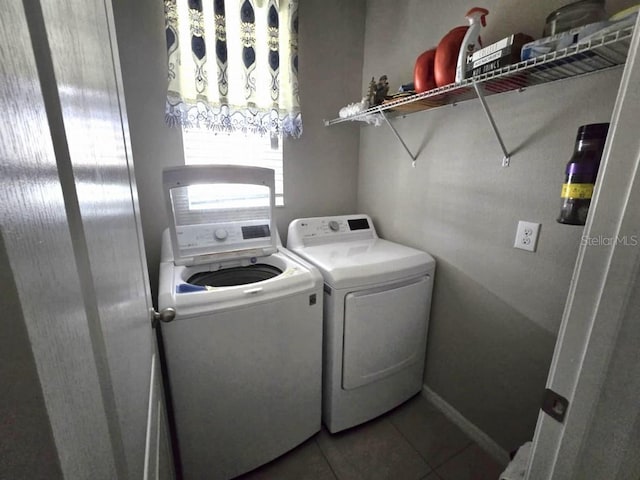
218,212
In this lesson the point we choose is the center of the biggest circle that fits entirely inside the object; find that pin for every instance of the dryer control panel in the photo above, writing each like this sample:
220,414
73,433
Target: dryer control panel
320,230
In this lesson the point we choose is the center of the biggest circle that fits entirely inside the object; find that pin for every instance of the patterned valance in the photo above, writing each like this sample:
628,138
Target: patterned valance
233,65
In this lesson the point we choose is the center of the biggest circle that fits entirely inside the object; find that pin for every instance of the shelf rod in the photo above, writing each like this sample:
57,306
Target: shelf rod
395,132
506,159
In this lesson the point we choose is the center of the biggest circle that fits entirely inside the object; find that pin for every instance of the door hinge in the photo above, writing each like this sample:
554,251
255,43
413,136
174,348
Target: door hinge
554,405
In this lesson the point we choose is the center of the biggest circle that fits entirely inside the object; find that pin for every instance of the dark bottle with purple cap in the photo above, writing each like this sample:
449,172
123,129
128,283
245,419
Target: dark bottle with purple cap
581,173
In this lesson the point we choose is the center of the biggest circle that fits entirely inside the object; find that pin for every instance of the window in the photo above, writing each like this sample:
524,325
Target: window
228,197
202,146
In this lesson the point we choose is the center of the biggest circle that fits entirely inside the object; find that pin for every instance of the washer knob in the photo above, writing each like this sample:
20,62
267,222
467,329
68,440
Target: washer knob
334,226
220,234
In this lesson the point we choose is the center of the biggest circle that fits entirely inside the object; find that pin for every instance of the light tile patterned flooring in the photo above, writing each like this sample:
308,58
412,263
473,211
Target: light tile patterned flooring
413,442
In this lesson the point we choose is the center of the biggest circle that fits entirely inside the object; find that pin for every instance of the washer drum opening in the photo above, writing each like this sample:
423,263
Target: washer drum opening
230,277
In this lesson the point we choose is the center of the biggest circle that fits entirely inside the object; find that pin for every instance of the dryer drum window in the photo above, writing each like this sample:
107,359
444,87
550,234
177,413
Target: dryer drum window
230,277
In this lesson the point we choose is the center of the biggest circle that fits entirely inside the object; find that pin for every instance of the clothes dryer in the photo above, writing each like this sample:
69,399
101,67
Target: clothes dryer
244,352
376,315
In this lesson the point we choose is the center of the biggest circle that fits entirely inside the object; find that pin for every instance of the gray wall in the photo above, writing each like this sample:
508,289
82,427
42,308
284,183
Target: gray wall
496,310
320,168
142,48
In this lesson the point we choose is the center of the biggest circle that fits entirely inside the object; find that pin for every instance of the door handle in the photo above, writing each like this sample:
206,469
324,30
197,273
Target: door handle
166,315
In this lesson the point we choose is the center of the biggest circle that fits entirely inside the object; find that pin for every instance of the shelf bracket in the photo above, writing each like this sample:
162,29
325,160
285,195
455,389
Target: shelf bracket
395,132
506,158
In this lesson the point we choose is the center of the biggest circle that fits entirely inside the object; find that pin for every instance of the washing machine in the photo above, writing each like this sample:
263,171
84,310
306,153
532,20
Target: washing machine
377,297
244,352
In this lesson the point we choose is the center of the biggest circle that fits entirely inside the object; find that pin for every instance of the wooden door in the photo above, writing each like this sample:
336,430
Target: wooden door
71,230
596,365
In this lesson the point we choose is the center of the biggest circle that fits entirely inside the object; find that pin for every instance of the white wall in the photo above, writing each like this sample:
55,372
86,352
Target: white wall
320,168
495,310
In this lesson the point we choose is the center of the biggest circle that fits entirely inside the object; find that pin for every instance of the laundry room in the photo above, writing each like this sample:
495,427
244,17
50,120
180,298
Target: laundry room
453,181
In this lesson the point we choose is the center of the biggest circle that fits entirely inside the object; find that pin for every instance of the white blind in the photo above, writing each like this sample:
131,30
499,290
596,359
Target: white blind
206,147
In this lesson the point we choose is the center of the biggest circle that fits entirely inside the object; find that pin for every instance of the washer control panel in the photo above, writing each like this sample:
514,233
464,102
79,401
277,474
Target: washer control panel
307,231
234,233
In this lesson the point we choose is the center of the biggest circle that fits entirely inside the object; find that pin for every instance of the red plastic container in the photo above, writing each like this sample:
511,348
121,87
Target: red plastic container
423,72
446,58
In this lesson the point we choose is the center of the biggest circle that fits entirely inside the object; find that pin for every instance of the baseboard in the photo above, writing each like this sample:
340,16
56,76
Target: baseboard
477,435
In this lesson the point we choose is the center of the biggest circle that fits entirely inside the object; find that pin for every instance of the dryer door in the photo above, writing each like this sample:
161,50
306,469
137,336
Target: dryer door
385,330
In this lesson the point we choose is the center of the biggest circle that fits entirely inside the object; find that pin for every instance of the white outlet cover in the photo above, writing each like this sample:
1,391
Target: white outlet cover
527,236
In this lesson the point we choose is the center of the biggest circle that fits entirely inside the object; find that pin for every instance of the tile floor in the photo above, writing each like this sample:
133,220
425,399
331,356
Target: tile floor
413,442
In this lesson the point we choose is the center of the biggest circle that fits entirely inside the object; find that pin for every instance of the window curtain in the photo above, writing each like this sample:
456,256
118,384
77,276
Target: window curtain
233,65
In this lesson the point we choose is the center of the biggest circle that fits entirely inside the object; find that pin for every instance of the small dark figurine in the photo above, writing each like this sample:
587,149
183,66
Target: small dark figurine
371,94
382,88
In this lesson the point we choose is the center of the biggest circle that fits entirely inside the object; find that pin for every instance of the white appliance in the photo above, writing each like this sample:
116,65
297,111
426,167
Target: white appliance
376,314
244,353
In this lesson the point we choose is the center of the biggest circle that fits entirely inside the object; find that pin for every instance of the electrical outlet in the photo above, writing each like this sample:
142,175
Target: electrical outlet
527,236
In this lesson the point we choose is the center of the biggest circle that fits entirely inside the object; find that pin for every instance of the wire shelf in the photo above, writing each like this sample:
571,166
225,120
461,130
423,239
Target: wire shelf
603,53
